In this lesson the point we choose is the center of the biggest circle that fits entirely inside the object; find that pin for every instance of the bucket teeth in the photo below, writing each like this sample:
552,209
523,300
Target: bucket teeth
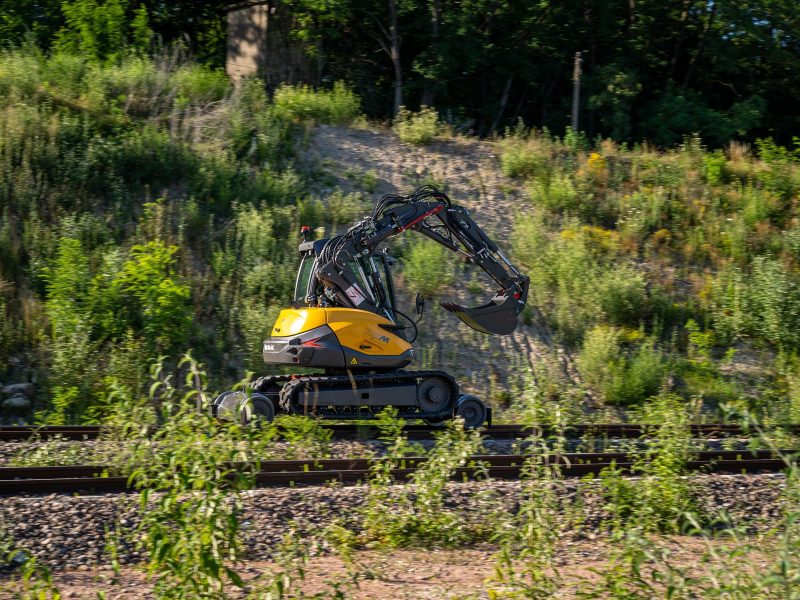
453,308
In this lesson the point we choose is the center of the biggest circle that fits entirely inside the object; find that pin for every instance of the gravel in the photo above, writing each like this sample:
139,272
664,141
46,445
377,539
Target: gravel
89,452
69,531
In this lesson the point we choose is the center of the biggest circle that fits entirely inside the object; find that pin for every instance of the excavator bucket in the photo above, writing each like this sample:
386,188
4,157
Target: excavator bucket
498,317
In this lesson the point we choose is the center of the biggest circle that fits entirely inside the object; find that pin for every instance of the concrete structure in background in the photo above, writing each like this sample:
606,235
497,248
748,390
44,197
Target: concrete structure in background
260,44
247,38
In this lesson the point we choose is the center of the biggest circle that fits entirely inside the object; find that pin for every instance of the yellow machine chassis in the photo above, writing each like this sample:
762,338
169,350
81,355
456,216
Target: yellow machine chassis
358,330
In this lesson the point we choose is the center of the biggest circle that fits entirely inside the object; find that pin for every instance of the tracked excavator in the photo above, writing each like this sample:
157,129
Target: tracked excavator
345,322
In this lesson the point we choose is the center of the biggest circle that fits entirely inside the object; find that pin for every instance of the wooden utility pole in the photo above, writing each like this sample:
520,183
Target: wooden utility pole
394,54
576,90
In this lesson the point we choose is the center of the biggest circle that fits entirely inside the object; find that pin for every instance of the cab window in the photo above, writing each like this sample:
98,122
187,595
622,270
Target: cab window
303,276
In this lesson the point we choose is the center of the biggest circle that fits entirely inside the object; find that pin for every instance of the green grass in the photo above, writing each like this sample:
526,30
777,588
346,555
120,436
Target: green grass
337,106
417,128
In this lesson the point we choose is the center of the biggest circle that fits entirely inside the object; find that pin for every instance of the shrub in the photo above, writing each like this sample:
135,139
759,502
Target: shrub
728,305
638,377
622,296
101,30
621,378
190,533
774,299
524,154
346,209
67,287
525,565
20,74
714,165
658,500
269,279
198,85
149,278
394,519
418,128
427,268
555,191
599,356
337,106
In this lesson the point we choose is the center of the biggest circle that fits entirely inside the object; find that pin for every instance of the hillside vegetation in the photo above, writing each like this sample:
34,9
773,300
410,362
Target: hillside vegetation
666,268
148,207
145,208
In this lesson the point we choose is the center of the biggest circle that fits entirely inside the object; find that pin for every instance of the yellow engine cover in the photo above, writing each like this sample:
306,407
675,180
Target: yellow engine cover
358,330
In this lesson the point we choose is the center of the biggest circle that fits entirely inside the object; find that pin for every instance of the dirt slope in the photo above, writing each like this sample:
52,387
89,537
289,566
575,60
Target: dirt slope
469,171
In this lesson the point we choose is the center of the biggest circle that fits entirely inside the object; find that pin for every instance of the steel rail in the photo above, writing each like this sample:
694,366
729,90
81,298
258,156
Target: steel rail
423,432
94,479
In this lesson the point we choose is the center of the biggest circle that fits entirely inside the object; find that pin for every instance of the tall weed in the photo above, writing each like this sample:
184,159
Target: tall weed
190,530
416,515
417,128
337,106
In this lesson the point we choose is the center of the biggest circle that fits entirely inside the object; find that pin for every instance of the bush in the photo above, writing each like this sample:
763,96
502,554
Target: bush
196,85
555,191
619,377
101,30
658,500
524,154
427,268
774,299
417,128
638,377
622,296
346,209
161,301
599,356
392,518
338,106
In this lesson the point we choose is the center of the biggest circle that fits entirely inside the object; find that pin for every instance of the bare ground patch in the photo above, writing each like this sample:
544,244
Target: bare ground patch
413,573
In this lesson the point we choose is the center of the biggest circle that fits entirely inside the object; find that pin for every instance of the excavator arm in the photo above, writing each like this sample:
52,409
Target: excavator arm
340,265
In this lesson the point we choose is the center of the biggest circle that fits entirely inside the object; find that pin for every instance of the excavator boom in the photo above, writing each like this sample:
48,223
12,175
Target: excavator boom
430,212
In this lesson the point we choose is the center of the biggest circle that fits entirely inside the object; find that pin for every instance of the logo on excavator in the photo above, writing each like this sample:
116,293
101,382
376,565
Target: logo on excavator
353,361
376,337
268,347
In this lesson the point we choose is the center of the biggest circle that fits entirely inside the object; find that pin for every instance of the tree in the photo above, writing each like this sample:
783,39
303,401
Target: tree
103,29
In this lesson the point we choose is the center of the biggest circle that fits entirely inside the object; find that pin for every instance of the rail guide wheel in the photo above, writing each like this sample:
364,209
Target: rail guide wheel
243,407
472,410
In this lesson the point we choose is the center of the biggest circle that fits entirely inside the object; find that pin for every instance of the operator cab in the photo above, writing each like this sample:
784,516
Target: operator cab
373,273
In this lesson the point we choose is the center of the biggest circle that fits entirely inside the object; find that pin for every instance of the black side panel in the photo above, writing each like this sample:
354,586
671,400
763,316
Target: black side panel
359,360
317,347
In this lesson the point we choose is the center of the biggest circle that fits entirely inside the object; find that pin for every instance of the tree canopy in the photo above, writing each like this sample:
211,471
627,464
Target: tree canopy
652,70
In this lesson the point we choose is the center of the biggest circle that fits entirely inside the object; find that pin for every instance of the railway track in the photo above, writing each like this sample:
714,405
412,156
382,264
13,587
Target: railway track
94,479
420,432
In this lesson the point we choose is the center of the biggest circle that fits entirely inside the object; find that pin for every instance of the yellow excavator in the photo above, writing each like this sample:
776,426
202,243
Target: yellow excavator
345,322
